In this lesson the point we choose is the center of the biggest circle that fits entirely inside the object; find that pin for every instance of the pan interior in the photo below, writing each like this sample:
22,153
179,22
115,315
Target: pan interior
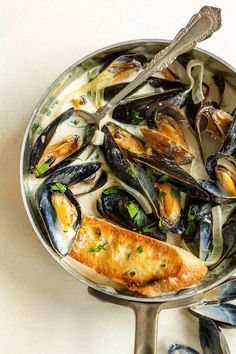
82,273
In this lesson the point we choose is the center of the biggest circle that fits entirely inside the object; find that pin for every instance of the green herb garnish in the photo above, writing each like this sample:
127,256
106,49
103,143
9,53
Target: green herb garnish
163,178
140,249
88,131
58,187
74,122
83,100
207,206
136,213
110,190
47,111
131,171
191,217
190,228
98,248
173,194
133,209
136,118
150,227
149,172
42,168
162,227
36,127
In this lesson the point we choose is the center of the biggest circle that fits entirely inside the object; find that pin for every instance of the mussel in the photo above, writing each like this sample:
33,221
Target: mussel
222,314
80,179
211,338
165,133
133,110
120,207
46,158
61,214
212,122
222,171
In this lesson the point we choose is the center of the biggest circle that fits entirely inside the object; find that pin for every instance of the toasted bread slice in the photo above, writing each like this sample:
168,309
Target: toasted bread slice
143,264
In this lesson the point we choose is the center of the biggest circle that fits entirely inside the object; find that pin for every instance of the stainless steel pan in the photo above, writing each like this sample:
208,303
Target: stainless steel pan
146,309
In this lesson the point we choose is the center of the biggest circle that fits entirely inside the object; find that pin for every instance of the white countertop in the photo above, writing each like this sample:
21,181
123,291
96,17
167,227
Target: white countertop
42,308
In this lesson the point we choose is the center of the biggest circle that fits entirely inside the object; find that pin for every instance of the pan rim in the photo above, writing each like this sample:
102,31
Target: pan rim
158,299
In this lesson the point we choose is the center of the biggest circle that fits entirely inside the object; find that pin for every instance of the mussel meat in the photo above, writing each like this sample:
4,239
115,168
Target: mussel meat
61,214
46,158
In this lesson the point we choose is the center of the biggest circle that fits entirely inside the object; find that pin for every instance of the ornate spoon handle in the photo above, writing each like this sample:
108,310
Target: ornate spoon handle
200,27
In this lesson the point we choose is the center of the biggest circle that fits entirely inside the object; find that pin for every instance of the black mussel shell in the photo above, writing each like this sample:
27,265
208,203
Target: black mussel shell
45,137
175,175
156,82
114,206
73,174
62,241
222,314
181,349
211,338
133,110
222,293
192,108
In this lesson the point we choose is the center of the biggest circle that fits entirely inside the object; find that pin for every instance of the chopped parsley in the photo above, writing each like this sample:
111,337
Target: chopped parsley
162,227
149,172
174,194
140,249
74,122
98,248
88,131
110,190
191,217
150,227
163,179
190,228
42,168
58,187
83,100
47,111
36,127
136,213
207,206
131,171
136,118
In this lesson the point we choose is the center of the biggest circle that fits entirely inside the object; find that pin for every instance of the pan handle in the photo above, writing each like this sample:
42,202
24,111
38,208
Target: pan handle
146,325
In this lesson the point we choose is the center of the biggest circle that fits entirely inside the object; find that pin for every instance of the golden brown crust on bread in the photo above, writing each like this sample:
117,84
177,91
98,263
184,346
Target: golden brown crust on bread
143,264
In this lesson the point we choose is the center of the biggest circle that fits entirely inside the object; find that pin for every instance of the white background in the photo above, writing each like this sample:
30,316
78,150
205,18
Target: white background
42,308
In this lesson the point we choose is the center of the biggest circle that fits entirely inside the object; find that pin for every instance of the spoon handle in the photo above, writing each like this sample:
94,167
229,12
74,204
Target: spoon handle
200,27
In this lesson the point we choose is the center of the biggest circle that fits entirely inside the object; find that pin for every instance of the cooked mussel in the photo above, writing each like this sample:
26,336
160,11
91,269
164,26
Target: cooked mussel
222,171
222,293
211,338
120,207
61,214
46,158
169,206
212,122
181,349
133,110
80,179
155,82
223,314
165,133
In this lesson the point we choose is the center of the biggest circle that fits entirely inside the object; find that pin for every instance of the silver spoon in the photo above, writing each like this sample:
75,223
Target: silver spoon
200,27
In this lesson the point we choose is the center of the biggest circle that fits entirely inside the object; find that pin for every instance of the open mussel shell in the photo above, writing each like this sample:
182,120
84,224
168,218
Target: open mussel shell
214,122
223,314
165,134
175,175
61,153
229,145
80,179
155,82
181,349
211,338
133,110
61,215
120,207
222,293
222,171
